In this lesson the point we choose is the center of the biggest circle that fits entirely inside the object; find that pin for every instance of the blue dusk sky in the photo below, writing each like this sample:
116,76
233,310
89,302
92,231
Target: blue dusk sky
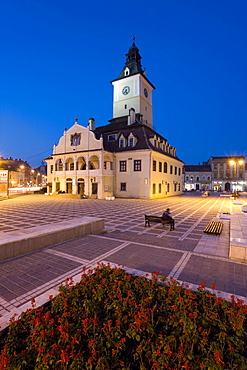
58,58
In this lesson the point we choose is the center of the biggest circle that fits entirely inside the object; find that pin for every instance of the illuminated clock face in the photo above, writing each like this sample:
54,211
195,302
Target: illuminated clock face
126,90
145,92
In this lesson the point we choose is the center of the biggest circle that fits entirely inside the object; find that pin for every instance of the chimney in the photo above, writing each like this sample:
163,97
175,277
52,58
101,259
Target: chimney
91,124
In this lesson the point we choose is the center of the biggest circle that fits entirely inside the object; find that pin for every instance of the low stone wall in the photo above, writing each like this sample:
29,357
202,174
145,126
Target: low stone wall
21,242
238,236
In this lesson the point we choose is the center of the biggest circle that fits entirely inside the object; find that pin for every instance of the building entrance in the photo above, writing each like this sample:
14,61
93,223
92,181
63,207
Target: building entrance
94,189
81,187
69,186
227,186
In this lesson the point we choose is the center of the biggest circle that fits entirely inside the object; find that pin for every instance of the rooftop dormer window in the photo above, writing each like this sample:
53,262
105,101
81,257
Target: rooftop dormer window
131,140
112,137
122,142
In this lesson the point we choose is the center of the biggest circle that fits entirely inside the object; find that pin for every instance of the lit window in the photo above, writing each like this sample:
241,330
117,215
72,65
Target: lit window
122,167
137,165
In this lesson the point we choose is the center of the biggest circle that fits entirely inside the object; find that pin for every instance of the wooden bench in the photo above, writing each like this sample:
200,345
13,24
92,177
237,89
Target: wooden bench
160,220
213,227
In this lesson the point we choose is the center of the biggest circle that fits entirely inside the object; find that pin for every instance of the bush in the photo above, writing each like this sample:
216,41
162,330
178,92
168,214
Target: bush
112,320
41,191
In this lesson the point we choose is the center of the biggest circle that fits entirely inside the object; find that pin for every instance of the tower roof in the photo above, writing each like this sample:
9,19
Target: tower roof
133,64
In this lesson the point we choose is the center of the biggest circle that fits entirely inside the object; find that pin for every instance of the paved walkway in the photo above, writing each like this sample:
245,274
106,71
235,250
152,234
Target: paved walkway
185,254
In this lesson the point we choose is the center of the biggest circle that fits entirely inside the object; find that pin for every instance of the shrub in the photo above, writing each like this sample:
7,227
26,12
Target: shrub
112,320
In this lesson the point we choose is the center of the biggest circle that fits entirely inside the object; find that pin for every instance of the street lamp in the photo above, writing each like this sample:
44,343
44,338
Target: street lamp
22,175
234,163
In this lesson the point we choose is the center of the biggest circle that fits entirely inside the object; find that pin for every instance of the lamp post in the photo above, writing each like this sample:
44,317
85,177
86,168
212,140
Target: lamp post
22,173
8,177
234,164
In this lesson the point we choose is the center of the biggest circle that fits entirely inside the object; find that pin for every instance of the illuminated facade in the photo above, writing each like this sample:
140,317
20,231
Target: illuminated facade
218,174
125,158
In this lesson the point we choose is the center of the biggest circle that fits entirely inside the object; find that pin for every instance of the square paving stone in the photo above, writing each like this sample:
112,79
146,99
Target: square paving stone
87,247
225,274
140,257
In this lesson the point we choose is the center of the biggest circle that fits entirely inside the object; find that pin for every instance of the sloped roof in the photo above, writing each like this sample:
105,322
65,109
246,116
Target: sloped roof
120,127
197,168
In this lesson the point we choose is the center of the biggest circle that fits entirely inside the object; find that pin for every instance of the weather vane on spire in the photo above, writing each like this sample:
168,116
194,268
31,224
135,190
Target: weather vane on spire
133,37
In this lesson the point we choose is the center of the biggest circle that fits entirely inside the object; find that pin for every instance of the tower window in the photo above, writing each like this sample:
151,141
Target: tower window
125,107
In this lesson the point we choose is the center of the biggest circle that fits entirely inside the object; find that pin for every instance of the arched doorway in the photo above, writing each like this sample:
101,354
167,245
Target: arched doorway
80,186
94,189
227,186
69,186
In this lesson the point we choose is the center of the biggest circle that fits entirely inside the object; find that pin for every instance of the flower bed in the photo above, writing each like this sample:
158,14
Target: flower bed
112,320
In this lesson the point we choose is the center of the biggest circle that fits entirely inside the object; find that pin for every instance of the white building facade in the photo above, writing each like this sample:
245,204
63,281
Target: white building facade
125,158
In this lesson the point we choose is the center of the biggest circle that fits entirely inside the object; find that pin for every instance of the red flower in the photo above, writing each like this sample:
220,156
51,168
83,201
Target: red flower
217,356
64,357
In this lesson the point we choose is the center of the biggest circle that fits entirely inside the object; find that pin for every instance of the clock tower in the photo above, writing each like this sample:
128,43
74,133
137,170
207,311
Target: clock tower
132,89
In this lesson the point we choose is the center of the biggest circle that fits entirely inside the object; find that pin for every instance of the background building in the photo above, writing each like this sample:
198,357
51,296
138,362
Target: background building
218,174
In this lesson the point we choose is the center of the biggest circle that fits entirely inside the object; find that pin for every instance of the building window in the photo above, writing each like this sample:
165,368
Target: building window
111,165
165,167
122,167
121,143
197,178
171,169
125,107
104,165
179,171
175,169
60,165
160,167
154,188
168,187
208,178
154,165
137,165
159,188
179,187
122,186
72,166
131,141
52,168
112,137
175,187
187,178
215,167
